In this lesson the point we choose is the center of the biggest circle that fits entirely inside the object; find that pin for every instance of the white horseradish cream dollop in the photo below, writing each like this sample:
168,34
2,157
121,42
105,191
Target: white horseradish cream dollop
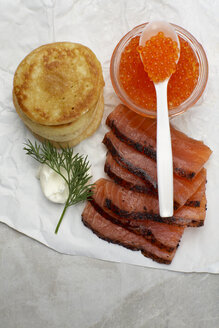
53,185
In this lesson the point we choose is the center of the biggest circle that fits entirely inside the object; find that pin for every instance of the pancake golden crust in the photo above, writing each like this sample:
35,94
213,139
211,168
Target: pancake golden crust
57,83
62,132
85,134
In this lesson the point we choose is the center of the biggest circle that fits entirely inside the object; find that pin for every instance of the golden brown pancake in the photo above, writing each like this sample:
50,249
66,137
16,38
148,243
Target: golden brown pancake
92,127
63,132
57,83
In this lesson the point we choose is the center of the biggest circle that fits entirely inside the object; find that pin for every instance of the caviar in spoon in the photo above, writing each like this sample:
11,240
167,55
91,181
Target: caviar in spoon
159,51
159,56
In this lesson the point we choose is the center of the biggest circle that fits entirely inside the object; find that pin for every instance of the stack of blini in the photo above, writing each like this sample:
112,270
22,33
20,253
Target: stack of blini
58,93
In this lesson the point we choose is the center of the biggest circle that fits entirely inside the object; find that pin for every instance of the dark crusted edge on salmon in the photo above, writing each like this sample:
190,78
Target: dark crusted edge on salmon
147,189
133,248
142,231
196,224
126,164
151,216
193,203
143,189
147,150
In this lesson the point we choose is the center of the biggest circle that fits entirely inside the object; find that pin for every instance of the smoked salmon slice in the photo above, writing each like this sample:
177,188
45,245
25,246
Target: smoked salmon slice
164,236
189,155
126,179
114,233
125,210
128,204
145,168
195,200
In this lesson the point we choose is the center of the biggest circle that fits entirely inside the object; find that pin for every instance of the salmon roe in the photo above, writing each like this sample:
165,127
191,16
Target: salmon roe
138,86
159,56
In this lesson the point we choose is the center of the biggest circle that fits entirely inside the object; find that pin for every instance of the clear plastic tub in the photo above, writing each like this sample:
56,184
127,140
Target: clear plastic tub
189,102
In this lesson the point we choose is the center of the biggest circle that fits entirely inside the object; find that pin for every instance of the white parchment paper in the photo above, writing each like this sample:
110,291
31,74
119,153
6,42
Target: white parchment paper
100,25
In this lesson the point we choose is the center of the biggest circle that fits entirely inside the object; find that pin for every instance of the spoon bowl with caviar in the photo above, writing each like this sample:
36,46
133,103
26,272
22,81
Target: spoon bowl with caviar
159,49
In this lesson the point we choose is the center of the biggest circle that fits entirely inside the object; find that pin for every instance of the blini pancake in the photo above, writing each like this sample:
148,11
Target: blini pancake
57,83
85,134
62,132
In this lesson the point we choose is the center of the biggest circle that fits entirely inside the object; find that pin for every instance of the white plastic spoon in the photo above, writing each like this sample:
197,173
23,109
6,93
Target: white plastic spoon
164,149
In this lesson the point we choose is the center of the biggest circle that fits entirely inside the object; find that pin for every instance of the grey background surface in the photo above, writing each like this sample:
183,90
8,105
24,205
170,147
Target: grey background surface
42,288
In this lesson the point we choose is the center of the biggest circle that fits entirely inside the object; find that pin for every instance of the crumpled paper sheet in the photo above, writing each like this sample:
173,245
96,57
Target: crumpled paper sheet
100,25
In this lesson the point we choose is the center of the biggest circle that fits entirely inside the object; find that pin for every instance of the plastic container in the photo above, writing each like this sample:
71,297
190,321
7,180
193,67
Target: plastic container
189,102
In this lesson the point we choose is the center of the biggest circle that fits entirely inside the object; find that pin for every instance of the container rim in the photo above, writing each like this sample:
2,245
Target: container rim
190,101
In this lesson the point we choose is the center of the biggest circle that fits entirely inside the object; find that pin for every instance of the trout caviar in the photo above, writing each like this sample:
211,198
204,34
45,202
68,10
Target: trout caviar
140,88
159,56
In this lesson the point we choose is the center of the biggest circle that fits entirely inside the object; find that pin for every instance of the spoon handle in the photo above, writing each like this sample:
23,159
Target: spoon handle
164,153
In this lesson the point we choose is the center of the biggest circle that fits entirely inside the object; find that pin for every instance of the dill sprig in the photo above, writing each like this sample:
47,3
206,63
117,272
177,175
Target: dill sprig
76,167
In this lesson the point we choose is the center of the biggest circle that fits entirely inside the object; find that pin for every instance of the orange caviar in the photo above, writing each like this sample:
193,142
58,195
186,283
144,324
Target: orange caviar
159,56
140,88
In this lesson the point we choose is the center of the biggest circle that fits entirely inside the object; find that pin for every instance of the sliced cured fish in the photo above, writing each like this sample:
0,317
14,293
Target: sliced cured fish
125,210
115,199
135,162
189,155
195,200
126,179
114,233
198,213
146,169
164,236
